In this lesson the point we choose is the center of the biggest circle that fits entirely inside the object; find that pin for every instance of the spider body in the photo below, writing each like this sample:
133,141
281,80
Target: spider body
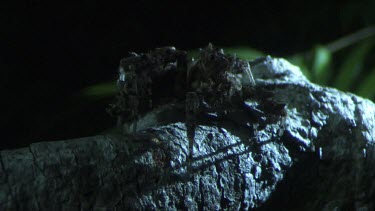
215,85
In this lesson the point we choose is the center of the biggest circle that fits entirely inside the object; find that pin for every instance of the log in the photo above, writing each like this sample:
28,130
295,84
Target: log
319,156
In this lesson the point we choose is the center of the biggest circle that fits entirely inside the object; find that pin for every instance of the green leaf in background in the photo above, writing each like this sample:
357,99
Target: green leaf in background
241,52
352,65
245,53
300,61
193,54
99,91
367,87
321,65
108,89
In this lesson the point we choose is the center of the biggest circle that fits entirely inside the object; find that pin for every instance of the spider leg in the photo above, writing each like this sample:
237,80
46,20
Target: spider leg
191,110
134,110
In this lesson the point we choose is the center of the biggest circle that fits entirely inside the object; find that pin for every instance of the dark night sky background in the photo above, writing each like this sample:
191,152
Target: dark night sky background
50,51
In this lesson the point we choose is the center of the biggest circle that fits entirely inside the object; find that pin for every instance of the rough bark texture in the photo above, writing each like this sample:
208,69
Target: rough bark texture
323,160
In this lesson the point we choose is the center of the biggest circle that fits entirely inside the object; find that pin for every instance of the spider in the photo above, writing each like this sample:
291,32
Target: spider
215,85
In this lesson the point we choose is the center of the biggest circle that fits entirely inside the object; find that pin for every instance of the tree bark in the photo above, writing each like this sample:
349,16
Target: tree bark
321,160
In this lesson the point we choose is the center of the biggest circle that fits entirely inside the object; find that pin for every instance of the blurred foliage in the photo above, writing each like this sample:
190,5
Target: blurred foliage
347,64
353,65
242,52
108,89
99,91
92,36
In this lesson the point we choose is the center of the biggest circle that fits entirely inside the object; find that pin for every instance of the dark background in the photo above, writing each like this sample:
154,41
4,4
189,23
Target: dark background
50,51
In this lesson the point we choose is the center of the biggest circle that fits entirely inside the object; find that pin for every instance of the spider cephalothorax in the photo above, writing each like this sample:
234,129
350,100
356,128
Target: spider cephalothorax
221,81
